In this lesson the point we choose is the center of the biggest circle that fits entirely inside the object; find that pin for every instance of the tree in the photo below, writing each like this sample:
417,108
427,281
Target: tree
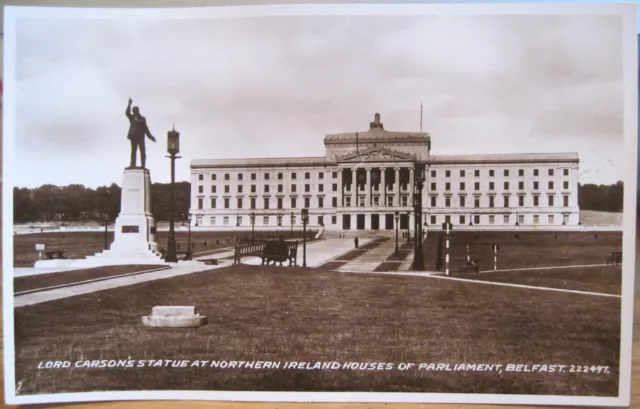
23,206
607,198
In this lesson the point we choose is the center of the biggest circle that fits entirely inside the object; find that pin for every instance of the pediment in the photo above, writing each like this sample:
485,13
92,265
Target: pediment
375,154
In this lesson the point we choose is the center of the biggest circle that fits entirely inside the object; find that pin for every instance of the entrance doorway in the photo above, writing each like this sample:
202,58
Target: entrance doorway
360,222
375,222
404,221
388,222
346,222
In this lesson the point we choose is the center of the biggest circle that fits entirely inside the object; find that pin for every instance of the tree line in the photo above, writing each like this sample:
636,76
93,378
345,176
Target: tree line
50,203
607,198
79,203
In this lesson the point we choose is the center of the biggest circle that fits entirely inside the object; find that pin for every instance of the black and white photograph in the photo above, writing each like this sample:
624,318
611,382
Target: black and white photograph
320,203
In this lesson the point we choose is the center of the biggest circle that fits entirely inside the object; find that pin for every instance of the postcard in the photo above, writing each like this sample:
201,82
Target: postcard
320,203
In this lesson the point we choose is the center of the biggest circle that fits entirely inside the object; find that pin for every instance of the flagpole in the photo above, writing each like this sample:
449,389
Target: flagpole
420,116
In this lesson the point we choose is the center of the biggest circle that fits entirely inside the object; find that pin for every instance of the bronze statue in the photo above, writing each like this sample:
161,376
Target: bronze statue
137,131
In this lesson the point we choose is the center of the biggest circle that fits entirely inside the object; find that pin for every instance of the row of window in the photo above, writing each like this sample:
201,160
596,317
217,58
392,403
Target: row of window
267,176
266,203
334,175
266,220
506,219
334,187
505,172
267,188
375,201
505,186
506,201
462,220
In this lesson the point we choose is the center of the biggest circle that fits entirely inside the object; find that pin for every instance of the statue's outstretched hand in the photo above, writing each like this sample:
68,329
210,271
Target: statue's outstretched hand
130,101
152,138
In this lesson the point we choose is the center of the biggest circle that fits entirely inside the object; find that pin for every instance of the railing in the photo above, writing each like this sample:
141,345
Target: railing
248,248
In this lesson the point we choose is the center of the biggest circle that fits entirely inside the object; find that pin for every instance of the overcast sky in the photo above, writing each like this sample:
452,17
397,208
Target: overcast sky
264,87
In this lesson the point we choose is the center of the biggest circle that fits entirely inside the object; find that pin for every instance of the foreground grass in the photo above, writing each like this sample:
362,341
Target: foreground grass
74,276
294,314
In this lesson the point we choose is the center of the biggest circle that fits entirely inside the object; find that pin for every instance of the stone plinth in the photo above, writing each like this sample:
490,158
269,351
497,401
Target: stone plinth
135,227
135,231
174,317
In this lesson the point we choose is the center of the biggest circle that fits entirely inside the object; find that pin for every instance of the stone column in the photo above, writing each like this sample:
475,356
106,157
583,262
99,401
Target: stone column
383,191
354,188
412,218
411,182
341,187
367,188
397,187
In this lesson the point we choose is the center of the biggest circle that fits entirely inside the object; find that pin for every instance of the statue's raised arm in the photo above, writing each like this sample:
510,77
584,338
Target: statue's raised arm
128,110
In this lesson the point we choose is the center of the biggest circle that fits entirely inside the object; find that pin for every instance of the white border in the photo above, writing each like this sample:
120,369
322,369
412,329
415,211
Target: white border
627,11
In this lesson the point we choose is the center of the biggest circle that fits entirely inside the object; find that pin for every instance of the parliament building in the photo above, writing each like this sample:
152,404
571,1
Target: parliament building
364,178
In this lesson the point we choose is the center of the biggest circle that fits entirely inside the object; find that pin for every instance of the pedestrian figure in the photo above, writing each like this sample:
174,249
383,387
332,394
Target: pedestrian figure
356,241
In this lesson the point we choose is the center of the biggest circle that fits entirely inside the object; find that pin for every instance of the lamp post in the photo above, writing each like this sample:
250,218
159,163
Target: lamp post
293,220
408,228
253,223
397,216
418,254
173,148
305,220
189,235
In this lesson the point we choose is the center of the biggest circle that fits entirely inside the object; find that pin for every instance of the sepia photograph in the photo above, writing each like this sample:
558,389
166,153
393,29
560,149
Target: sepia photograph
320,203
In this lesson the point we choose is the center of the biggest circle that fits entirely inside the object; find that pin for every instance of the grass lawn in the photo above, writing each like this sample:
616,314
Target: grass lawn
605,279
525,249
333,265
402,255
389,266
294,314
73,276
81,244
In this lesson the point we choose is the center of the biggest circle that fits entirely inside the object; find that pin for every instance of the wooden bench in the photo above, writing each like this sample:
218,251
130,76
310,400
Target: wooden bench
54,255
280,251
615,258
247,248
187,255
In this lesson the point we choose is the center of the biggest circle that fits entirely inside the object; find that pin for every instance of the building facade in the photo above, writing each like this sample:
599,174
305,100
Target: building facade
364,178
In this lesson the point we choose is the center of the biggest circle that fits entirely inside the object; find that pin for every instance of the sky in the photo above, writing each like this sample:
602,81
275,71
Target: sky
275,86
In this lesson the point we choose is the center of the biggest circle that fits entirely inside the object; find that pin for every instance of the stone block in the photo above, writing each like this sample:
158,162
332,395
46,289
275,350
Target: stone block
174,317
173,310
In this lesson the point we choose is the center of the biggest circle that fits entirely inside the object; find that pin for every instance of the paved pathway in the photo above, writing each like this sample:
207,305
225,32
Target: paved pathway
32,271
318,252
182,268
407,262
546,268
368,261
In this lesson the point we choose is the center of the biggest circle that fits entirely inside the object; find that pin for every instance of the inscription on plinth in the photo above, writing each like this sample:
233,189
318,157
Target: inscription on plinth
131,229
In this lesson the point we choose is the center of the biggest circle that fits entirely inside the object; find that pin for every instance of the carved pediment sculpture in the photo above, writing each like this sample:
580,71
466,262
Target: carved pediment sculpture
376,154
